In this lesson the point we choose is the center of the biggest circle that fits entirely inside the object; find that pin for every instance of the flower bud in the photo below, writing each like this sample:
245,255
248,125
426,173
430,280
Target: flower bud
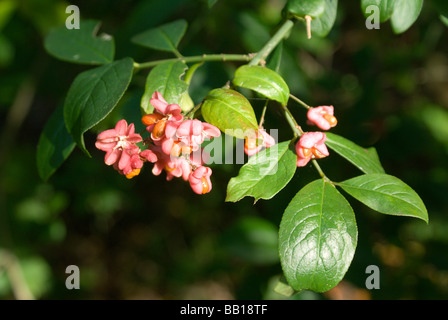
149,119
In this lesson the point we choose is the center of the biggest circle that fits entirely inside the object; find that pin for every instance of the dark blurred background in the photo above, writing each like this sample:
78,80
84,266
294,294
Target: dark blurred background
147,238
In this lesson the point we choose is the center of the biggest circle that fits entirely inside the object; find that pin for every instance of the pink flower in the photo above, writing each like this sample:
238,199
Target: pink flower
173,166
166,117
311,145
200,180
254,145
323,117
193,133
119,144
173,111
129,165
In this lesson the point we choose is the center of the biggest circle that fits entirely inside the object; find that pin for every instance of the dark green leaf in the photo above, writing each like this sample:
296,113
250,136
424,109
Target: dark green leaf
81,45
166,79
55,145
317,238
264,81
275,59
252,239
165,37
405,14
265,174
386,194
364,159
211,3
441,6
230,111
94,94
301,8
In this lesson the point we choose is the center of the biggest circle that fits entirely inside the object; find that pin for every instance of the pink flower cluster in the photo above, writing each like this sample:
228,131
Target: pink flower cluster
174,145
311,145
253,145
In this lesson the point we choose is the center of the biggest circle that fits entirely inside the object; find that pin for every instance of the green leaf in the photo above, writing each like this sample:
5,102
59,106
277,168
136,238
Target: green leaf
444,19
166,79
230,111
252,239
165,37
405,14
211,3
55,145
322,26
93,94
265,174
365,160
385,7
263,80
301,8
275,59
7,8
317,238
386,194
81,45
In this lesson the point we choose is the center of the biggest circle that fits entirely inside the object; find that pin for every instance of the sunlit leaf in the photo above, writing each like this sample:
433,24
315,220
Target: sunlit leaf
264,81
405,14
317,238
365,160
301,8
386,194
166,79
265,174
230,111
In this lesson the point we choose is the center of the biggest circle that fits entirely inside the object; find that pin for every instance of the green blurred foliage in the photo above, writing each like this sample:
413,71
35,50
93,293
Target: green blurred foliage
150,239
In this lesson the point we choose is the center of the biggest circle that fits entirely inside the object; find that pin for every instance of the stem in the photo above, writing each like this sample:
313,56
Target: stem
10,263
201,58
299,101
190,114
292,122
308,26
319,169
260,125
297,133
272,43
177,53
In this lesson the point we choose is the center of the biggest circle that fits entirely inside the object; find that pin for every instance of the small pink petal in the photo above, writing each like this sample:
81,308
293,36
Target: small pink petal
121,128
112,156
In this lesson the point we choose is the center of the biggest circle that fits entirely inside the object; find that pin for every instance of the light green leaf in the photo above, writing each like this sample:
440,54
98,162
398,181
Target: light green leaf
317,238
386,194
166,79
81,45
322,26
230,111
93,95
55,145
165,37
301,8
365,160
265,174
385,8
263,80
405,14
